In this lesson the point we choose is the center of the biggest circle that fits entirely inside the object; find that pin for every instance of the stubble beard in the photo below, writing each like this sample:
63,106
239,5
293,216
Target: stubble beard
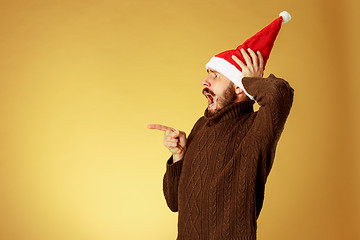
227,98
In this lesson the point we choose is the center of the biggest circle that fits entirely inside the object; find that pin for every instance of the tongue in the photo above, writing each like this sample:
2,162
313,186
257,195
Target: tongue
211,99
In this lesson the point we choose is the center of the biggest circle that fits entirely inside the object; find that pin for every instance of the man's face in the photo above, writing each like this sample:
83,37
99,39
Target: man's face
219,90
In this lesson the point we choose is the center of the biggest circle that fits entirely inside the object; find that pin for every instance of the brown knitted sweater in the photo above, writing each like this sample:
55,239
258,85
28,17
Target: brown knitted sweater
218,186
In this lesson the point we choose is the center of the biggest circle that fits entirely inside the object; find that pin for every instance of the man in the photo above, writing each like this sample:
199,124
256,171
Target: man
216,176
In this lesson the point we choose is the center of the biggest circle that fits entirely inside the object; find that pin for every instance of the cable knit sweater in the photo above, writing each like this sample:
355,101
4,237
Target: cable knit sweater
218,186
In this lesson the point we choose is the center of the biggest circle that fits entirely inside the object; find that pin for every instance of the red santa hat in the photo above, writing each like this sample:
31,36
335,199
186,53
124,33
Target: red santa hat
263,41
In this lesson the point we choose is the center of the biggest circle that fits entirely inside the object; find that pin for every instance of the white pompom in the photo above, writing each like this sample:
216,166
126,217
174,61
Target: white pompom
286,16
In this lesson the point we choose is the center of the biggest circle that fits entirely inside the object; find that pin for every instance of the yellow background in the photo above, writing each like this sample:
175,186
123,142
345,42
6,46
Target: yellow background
80,81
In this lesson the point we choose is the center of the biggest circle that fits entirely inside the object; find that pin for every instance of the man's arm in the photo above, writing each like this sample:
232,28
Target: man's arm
175,141
171,182
274,95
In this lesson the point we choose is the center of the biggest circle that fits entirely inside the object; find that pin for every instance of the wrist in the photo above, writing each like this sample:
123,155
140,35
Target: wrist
243,88
177,157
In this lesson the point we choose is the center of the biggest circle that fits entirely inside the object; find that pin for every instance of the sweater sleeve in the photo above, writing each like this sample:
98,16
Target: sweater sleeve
275,97
170,183
173,172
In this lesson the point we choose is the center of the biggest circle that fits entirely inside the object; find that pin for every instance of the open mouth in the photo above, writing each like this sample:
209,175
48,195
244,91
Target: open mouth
211,100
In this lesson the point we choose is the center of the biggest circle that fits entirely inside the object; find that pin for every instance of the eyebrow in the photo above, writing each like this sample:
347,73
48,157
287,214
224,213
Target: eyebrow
213,71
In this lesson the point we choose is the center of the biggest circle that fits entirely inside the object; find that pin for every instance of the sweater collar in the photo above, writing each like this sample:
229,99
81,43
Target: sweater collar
234,110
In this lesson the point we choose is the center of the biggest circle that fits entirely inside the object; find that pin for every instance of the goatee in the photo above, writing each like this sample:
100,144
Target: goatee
227,98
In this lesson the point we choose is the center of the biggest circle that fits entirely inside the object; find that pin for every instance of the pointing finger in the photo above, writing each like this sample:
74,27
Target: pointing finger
160,127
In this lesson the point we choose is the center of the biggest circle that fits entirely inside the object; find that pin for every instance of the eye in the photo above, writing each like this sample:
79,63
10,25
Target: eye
215,75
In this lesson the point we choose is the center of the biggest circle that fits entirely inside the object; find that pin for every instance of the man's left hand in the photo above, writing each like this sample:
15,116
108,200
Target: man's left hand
254,65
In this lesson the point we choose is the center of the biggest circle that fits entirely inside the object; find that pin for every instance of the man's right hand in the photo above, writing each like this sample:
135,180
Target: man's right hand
174,140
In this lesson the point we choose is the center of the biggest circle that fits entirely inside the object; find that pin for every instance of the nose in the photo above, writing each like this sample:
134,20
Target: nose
206,81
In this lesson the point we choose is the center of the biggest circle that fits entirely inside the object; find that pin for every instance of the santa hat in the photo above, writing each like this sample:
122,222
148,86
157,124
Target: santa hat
263,41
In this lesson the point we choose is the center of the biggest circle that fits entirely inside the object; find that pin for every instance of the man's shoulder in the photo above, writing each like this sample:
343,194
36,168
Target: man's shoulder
199,122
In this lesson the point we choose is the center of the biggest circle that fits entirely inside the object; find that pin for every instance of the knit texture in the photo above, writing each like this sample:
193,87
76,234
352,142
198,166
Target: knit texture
218,187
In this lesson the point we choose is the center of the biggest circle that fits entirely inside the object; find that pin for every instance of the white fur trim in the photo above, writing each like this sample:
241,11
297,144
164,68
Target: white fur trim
228,70
286,16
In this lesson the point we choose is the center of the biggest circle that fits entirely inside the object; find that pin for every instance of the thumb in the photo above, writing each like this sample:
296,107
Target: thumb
176,134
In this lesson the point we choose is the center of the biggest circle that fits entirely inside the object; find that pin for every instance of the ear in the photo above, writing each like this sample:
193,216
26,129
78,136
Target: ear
240,94
238,90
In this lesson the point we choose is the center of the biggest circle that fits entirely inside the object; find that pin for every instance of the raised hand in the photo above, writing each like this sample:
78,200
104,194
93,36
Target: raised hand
254,66
174,140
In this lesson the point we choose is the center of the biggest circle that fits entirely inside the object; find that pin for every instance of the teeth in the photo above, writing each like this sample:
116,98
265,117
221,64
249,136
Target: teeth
211,99
208,94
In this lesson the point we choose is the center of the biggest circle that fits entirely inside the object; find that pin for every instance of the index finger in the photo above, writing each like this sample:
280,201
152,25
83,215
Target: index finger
160,127
238,61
